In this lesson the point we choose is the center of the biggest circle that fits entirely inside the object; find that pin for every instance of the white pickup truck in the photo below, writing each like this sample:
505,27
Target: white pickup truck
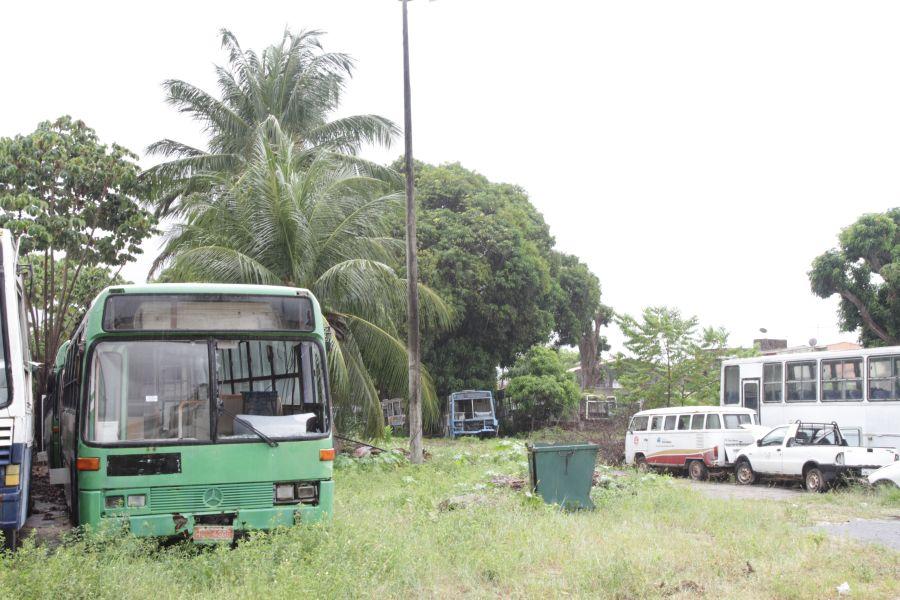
814,453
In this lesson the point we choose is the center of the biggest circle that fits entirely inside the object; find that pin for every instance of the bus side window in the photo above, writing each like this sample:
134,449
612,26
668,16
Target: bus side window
697,423
712,422
684,422
670,422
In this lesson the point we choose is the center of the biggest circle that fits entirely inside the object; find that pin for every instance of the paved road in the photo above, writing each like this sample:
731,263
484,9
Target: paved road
732,491
884,532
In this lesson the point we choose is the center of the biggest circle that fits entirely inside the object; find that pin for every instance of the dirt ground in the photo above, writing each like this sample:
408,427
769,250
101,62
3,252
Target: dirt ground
49,519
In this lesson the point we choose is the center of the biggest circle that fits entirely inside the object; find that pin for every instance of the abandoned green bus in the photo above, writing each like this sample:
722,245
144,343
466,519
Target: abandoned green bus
196,410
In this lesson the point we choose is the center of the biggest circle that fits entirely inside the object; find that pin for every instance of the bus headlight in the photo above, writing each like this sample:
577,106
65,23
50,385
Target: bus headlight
297,492
839,459
137,501
115,501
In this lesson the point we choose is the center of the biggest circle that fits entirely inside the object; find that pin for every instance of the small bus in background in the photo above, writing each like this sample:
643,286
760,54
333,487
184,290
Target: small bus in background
472,412
698,439
857,389
196,410
16,401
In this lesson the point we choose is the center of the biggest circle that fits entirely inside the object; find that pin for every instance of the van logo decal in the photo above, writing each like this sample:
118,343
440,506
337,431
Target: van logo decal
213,497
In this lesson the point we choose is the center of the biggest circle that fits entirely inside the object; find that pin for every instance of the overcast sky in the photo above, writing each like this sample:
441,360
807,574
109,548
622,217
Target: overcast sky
694,154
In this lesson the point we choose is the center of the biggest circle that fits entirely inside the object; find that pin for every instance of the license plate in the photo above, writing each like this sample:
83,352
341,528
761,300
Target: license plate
213,533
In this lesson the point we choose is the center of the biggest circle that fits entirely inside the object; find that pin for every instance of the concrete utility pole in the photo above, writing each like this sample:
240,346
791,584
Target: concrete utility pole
412,268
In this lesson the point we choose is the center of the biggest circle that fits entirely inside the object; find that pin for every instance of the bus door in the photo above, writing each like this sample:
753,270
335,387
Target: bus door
750,394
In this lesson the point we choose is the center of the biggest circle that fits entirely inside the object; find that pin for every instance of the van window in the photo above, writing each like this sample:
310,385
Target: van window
735,421
697,423
732,393
657,423
712,422
684,422
639,423
670,422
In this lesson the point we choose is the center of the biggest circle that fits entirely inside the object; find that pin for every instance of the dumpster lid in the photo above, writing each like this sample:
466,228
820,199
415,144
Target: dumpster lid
560,447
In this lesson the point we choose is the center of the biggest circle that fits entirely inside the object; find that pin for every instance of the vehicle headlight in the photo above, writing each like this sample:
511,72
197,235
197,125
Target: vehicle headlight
115,501
137,501
839,459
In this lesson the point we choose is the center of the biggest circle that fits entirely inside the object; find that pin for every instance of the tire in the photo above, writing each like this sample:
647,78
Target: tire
885,484
640,463
744,474
815,481
10,539
698,471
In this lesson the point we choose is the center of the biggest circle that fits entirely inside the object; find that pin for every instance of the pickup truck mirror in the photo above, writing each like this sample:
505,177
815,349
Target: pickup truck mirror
759,442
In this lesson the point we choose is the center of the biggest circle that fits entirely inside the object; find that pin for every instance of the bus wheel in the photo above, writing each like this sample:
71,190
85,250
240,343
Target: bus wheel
698,470
744,474
815,481
640,463
10,538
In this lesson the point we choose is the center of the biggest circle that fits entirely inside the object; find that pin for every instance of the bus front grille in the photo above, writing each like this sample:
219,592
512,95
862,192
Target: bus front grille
208,498
6,433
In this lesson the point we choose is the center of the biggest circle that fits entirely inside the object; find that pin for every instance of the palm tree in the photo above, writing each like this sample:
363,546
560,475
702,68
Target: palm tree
297,82
303,218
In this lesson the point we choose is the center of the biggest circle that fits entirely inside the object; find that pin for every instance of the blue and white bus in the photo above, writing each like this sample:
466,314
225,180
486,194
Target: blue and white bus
16,401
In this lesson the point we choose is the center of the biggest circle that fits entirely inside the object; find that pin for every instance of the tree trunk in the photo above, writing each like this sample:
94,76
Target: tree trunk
412,266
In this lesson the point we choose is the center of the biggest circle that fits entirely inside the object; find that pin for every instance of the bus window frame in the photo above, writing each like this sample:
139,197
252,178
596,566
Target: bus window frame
87,362
206,332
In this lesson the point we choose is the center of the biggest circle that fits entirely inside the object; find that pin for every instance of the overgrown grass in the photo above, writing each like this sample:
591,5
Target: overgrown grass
390,538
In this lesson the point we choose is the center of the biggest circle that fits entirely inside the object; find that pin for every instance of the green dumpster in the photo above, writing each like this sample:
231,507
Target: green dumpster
563,473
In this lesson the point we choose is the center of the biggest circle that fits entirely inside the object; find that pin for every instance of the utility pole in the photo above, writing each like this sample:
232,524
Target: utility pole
412,267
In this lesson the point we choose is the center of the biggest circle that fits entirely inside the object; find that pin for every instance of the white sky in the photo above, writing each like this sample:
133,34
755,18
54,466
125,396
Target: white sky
694,154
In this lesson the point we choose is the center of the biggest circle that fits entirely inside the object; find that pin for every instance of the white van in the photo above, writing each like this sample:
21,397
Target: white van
701,439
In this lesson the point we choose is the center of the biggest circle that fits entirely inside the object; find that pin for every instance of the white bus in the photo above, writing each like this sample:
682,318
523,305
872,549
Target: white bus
857,389
700,439
16,402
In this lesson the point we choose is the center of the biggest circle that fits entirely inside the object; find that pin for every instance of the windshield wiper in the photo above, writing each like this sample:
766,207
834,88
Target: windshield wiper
221,406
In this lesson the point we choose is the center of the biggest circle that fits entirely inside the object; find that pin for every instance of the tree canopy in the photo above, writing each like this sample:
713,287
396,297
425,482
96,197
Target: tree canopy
671,362
540,389
864,270
297,82
489,253
76,206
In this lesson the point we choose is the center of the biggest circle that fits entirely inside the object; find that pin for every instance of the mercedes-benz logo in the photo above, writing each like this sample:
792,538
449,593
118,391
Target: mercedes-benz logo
213,497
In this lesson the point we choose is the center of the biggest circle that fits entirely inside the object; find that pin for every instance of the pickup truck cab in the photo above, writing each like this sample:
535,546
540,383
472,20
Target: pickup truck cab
814,453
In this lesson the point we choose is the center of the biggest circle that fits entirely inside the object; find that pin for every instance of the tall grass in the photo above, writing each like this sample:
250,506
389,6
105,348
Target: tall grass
390,538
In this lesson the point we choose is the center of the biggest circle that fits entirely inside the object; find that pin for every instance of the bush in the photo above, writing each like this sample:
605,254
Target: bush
540,389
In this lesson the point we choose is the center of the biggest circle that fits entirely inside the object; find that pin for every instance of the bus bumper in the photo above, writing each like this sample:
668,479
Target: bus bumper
174,524
14,499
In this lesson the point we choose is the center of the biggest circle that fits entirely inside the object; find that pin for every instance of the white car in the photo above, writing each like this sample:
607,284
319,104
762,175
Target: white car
814,453
887,476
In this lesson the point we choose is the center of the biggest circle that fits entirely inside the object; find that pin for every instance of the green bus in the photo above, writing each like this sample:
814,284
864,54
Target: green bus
195,410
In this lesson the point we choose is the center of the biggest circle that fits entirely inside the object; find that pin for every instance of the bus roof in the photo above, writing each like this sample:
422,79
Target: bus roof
813,355
689,410
204,288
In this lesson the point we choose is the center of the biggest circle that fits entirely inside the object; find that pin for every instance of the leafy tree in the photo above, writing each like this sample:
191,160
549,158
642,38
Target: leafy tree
865,272
296,82
540,389
671,362
309,221
489,253
76,207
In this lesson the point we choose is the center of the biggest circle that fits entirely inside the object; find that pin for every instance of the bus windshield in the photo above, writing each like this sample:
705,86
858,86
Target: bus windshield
160,390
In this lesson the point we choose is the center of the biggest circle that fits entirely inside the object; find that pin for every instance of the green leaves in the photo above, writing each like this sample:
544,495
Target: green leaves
865,272
540,389
318,225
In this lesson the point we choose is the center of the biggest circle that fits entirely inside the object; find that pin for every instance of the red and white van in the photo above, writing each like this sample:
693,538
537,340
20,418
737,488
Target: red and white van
700,439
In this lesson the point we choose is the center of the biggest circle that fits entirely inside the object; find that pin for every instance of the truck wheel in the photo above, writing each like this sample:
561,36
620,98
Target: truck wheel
744,474
815,481
698,470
